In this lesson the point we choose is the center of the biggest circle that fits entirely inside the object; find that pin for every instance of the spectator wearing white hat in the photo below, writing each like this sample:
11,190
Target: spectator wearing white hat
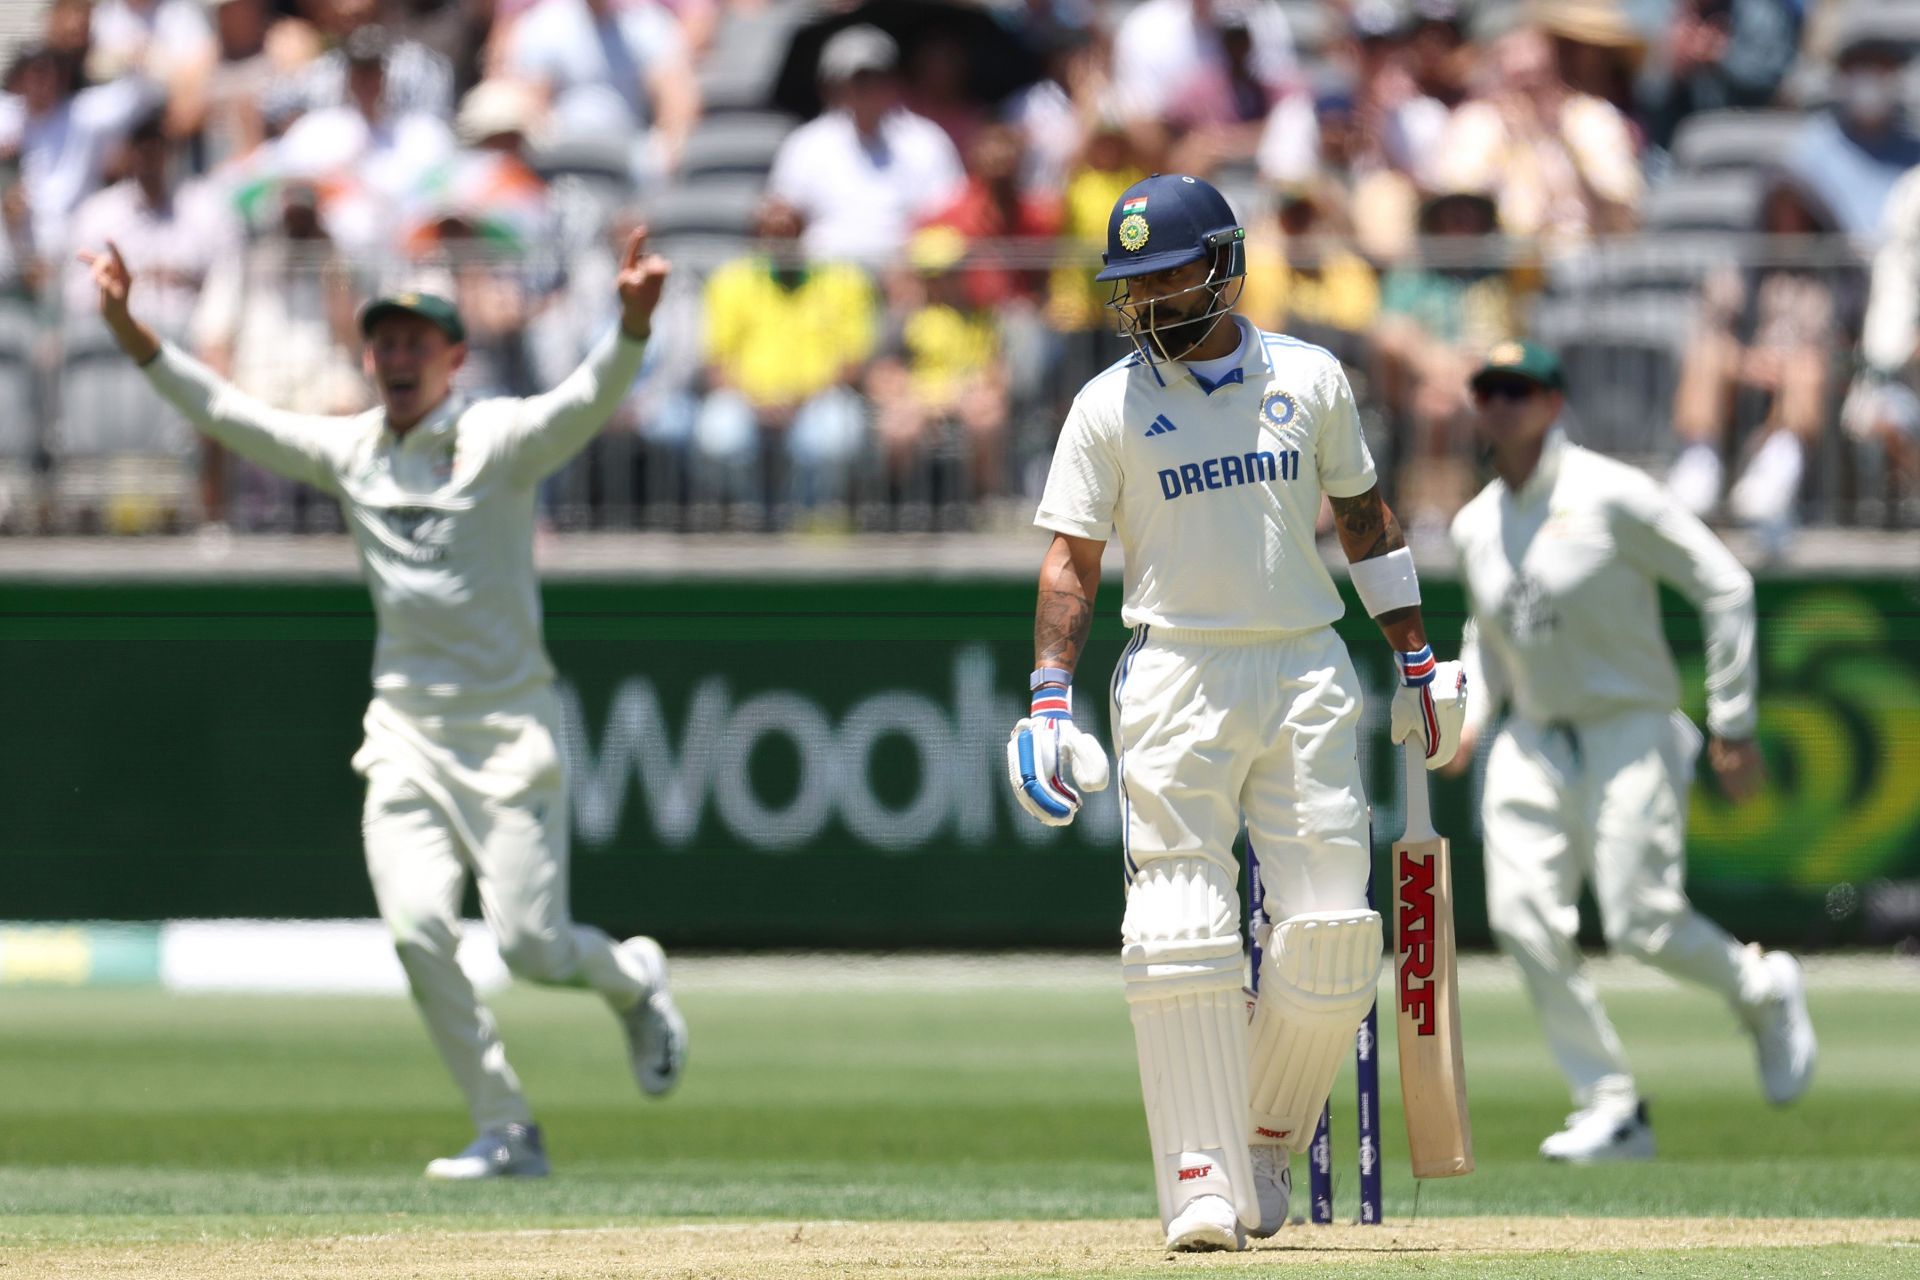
867,170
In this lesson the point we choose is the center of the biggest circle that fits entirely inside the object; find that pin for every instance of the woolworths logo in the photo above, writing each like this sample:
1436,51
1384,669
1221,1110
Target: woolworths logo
686,761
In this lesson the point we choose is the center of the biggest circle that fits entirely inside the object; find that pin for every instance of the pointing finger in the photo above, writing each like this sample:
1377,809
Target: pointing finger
636,248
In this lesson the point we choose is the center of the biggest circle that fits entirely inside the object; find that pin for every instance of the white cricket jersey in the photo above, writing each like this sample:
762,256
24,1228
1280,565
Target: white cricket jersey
1562,582
1213,487
442,516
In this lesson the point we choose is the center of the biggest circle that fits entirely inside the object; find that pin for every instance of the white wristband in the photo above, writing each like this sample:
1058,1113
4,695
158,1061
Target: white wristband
1386,583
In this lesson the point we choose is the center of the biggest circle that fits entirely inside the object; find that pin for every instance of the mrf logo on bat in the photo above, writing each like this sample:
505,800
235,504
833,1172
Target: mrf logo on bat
1416,941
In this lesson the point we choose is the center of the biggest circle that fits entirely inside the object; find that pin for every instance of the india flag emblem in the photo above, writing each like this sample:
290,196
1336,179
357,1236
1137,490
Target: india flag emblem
1136,205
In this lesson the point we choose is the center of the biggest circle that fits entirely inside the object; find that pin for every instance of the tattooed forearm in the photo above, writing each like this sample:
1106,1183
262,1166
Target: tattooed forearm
1366,526
1060,628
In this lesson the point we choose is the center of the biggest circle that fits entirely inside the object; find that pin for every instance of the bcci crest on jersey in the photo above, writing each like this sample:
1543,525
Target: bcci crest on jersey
1278,408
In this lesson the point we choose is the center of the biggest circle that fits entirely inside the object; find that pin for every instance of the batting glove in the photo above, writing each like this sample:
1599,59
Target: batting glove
1430,706
1047,755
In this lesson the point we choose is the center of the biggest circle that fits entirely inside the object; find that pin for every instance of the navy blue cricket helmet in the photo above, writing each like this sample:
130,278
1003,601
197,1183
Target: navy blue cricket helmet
1167,221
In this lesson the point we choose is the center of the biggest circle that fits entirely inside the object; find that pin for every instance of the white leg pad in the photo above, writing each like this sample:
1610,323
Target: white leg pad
1317,980
1182,964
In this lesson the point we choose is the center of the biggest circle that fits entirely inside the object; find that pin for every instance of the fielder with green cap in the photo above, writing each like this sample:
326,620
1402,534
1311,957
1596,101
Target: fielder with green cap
1587,783
463,772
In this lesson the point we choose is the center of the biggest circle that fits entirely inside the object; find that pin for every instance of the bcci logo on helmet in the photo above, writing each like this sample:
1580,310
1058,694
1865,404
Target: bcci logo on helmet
1133,233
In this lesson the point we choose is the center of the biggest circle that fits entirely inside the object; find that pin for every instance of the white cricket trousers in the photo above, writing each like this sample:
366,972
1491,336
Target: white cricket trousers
483,794
1215,729
1601,802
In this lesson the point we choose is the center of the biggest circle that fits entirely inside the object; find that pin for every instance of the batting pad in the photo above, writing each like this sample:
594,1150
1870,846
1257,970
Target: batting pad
1182,965
1317,981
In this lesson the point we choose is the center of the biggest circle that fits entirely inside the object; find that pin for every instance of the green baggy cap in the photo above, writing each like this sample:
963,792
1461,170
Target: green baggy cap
430,307
1525,360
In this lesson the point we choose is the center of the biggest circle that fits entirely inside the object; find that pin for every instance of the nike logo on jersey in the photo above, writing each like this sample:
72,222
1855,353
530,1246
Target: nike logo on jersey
1225,473
1160,426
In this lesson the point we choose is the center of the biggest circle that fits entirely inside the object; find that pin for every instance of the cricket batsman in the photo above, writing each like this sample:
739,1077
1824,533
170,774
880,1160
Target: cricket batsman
1234,704
1562,555
463,774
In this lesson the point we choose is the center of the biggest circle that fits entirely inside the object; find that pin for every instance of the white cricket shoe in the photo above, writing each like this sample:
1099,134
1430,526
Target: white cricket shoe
1783,1037
514,1151
656,1033
1273,1183
1606,1131
1207,1223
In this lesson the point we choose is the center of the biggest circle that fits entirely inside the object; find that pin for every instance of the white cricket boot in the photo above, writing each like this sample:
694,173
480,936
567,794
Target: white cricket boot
1207,1223
1604,1131
656,1033
513,1151
1273,1183
1783,1037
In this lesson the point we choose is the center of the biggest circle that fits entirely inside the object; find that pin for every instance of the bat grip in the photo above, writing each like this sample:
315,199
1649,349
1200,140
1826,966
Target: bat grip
1419,812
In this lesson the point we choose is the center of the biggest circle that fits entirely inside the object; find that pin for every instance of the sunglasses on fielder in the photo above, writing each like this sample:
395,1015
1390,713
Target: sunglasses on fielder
1517,390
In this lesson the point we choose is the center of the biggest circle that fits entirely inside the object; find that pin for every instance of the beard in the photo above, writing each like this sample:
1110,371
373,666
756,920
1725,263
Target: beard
1177,337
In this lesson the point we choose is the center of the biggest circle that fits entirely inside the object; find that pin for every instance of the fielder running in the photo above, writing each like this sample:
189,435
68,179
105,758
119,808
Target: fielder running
1562,555
463,775
1235,704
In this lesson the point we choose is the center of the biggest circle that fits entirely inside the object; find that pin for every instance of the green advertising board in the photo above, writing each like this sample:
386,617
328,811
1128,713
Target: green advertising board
772,763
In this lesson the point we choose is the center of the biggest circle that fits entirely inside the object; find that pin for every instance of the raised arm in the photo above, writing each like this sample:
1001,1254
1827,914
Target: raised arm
299,446
551,428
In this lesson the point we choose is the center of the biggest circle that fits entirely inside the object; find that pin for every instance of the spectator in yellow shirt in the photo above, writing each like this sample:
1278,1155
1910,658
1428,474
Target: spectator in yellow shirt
1105,168
1307,281
786,343
940,391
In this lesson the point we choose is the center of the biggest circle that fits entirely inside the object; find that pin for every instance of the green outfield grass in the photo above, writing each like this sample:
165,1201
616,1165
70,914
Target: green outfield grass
136,1116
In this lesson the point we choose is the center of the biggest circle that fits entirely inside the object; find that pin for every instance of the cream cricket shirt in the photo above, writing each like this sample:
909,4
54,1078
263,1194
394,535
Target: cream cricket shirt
1562,578
1213,487
442,517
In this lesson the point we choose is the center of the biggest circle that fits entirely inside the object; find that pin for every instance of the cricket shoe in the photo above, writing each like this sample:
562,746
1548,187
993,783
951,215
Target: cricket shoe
1273,1184
513,1151
1783,1035
1602,1132
1207,1224
656,1033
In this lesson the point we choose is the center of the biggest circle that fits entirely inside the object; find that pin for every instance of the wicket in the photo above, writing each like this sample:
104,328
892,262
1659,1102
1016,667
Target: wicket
1366,1054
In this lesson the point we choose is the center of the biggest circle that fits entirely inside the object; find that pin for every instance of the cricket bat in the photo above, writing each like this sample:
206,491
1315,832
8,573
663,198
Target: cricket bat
1433,1078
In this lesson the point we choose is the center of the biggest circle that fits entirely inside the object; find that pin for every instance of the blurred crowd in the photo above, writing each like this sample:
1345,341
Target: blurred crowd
886,217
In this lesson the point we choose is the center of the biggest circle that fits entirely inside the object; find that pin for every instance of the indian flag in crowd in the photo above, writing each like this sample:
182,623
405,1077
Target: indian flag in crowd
1136,205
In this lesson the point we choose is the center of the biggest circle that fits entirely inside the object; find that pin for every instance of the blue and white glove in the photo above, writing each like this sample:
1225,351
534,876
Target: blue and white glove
1430,706
1047,755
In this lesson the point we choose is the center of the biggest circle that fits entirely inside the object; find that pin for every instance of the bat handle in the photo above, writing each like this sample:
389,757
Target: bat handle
1419,812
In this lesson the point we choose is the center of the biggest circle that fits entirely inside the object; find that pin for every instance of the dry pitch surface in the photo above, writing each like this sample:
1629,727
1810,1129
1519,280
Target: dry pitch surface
937,1251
